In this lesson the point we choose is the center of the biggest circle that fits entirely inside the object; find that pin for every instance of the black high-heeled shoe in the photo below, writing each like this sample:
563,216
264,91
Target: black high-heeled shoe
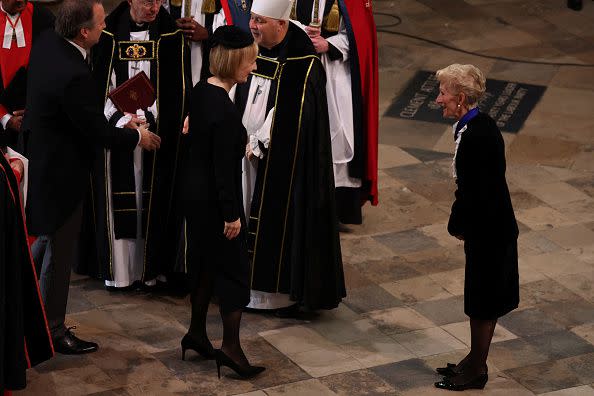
188,342
244,372
478,382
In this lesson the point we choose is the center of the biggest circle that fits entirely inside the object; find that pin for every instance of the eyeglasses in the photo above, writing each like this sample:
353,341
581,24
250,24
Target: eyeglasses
150,3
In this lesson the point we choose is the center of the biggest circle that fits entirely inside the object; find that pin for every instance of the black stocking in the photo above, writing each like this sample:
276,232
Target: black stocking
231,345
475,363
200,299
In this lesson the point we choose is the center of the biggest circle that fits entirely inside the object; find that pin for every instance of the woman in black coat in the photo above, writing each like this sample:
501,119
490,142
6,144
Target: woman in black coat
213,203
483,217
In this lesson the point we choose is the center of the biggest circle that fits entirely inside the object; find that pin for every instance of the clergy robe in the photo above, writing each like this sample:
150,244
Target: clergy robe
199,51
14,58
237,12
354,178
135,221
293,237
24,334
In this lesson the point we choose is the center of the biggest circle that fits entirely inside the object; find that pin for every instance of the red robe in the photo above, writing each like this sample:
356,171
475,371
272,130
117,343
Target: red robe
25,338
11,60
361,16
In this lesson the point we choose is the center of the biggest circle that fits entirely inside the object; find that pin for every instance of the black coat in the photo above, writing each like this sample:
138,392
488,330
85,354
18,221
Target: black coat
42,20
212,194
66,123
483,209
483,215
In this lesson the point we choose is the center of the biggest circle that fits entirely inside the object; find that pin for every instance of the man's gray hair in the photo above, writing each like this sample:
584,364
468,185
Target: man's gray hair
74,15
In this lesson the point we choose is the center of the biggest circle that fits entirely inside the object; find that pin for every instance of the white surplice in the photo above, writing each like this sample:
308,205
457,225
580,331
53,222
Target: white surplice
128,254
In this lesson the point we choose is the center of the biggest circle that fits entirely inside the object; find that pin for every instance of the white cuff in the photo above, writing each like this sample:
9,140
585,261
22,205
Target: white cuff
4,120
255,146
123,121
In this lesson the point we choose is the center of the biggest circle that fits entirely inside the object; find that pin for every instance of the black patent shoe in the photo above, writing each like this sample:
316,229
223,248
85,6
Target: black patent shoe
69,344
478,382
448,371
189,342
244,372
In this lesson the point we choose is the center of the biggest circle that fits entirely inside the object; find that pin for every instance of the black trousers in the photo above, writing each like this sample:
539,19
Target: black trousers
54,257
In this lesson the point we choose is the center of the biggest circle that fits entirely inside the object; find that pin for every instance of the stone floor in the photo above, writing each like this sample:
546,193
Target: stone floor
403,314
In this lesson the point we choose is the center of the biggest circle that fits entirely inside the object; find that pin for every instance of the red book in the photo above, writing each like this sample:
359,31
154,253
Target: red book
136,93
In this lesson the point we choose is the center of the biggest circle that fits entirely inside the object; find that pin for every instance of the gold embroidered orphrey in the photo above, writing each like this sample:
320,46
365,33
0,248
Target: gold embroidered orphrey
136,51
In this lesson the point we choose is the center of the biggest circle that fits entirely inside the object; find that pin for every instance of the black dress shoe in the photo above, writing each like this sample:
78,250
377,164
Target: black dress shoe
69,344
244,372
478,382
447,371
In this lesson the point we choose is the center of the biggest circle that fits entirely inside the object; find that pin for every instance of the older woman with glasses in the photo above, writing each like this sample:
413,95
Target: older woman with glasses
482,216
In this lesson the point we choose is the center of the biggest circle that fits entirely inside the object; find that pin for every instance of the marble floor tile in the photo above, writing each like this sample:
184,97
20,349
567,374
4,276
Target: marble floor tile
361,382
585,331
580,211
529,322
443,311
416,289
296,339
391,156
583,390
574,313
428,341
406,241
533,150
556,193
377,351
584,184
406,133
343,331
515,353
426,180
535,243
302,388
571,236
326,361
524,200
561,344
406,375
389,270
547,291
371,298
557,263
451,281
364,249
545,377
527,273
399,320
581,284
543,218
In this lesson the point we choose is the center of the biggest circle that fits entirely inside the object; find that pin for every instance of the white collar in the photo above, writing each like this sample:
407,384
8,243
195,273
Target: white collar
78,47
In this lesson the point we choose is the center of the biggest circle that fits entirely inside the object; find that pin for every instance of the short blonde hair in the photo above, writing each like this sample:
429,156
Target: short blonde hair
224,62
463,78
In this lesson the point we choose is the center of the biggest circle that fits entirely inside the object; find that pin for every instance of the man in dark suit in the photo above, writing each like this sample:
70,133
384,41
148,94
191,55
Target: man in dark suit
66,124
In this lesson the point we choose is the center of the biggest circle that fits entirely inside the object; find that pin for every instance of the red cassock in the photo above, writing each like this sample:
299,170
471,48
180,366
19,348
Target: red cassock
363,24
11,60
24,333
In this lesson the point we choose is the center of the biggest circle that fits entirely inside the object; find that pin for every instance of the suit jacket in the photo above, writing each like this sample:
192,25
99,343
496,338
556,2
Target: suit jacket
42,19
483,209
66,123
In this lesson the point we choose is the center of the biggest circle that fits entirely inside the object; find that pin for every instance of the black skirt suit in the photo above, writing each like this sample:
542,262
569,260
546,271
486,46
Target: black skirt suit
483,215
212,194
